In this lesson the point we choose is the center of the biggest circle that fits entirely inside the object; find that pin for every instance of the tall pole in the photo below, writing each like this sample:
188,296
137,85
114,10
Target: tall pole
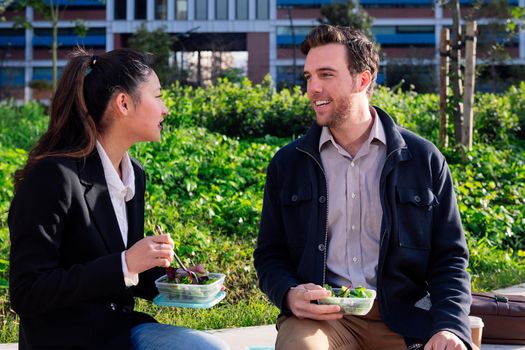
294,58
444,48
455,70
470,76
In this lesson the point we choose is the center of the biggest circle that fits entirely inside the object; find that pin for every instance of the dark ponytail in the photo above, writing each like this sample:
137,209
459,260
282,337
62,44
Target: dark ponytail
77,113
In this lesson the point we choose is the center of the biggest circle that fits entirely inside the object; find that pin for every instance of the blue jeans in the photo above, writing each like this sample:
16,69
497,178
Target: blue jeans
158,336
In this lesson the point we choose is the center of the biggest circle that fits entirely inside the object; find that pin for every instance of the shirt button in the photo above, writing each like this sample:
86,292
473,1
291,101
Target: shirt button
417,199
294,198
322,199
353,227
353,195
354,259
113,306
321,247
352,164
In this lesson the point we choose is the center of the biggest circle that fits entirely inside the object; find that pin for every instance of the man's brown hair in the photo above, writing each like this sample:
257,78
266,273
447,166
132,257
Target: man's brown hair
361,52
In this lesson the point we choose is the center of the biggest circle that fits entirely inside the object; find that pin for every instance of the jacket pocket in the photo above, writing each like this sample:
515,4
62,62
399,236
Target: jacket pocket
296,197
414,216
297,207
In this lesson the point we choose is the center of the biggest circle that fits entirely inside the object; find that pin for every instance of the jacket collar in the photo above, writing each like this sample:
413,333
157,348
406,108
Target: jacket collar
91,174
395,143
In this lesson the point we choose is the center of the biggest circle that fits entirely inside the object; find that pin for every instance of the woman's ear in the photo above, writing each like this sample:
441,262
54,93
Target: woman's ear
122,103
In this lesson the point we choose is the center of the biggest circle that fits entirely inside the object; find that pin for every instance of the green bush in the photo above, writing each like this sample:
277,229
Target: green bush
516,96
20,126
495,121
241,109
206,188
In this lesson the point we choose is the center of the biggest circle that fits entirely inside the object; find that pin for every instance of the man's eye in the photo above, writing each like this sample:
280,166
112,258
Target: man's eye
306,77
327,75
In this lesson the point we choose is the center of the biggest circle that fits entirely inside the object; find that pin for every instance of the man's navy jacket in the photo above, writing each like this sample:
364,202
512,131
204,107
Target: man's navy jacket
423,253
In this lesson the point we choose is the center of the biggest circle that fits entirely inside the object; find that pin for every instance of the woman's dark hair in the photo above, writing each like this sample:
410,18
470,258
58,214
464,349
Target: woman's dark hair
77,113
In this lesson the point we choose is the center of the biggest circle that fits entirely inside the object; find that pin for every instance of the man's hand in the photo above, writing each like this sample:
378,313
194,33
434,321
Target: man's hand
299,299
445,340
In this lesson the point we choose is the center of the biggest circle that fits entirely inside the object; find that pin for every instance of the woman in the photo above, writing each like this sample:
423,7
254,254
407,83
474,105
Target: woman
78,252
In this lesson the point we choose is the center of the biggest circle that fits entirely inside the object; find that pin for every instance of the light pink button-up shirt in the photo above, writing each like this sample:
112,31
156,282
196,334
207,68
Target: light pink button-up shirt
354,207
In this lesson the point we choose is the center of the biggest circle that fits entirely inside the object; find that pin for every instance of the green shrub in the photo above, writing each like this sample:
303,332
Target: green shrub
20,126
494,120
516,96
241,109
206,188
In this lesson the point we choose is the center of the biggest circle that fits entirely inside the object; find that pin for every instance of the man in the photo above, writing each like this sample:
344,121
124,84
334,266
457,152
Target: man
359,200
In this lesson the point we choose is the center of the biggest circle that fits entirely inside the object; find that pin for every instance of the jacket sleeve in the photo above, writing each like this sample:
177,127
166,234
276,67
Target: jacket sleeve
449,281
271,257
38,217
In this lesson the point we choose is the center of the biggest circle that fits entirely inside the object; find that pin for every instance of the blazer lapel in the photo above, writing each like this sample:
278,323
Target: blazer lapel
91,174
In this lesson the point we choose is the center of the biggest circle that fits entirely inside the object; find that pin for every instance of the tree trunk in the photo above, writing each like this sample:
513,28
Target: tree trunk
54,7
443,86
455,70
470,81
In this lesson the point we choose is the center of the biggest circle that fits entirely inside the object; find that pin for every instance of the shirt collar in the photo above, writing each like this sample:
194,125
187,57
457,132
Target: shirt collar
376,133
125,186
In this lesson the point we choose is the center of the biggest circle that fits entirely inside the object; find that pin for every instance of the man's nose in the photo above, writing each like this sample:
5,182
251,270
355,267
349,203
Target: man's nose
314,86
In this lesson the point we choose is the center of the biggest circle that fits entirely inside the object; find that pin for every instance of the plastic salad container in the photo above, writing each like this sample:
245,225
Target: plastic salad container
351,305
190,292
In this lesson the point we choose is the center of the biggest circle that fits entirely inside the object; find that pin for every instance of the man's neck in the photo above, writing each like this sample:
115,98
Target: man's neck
354,131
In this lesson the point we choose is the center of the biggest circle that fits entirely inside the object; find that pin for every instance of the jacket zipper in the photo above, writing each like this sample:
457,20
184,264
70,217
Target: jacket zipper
326,223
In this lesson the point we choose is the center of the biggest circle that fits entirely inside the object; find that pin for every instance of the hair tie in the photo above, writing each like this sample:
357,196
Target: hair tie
93,60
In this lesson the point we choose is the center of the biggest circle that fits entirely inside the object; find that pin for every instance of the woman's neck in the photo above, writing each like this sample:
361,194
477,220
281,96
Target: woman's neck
114,151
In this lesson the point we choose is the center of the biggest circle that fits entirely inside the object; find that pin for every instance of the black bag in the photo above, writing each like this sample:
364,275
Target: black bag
503,317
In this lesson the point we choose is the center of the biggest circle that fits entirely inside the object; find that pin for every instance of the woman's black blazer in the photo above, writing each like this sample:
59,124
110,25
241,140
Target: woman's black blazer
66,281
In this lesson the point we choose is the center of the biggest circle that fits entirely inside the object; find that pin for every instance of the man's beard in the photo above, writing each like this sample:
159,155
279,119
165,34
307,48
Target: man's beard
339,116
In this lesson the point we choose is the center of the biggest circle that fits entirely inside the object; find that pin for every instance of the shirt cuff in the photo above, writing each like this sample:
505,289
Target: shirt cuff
130,279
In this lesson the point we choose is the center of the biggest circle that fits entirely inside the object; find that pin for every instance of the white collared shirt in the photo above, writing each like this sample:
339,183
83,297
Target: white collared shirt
120,192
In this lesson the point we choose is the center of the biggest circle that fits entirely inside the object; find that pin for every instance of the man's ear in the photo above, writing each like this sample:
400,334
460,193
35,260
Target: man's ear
365,79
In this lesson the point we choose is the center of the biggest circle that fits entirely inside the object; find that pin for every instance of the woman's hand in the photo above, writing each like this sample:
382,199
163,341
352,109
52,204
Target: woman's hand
150,252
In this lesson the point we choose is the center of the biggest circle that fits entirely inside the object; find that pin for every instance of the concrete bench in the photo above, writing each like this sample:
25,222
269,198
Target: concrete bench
245,338
264,336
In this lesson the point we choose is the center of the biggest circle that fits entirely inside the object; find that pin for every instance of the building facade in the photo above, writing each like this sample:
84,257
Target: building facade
268,30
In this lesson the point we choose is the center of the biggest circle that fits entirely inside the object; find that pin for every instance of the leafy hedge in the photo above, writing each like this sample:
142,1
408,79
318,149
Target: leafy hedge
241,110
205,187
246,110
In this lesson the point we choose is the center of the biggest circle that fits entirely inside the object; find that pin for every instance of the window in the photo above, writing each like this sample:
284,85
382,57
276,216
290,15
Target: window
95,37
161,9
13,77
298,30
141,9
12,37
221,9
263,9
45,73
201,9
181,10
120,9
241,9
